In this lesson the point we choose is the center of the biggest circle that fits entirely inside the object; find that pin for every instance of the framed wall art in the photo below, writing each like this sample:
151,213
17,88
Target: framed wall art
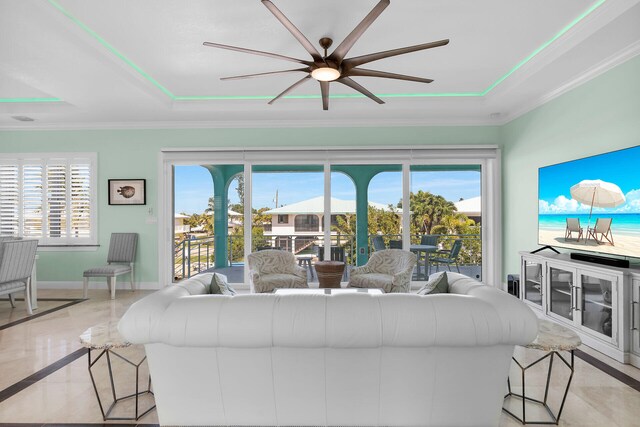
127,192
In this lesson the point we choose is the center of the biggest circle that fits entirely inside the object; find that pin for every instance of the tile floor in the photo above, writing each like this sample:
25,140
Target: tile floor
67,396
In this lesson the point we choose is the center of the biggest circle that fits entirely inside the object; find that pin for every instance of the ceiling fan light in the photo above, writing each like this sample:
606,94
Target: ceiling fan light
325,74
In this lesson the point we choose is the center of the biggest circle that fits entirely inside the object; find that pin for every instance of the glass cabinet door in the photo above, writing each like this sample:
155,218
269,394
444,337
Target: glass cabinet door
532,282
596,304
561,284
635,317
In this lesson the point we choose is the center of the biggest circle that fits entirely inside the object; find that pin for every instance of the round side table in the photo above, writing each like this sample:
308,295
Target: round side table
106,339
329,273
552,338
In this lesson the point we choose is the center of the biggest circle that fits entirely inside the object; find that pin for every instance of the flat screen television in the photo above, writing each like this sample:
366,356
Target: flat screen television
592,204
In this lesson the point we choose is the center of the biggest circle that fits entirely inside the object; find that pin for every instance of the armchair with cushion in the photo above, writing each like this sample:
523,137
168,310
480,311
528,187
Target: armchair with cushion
271,269
389,269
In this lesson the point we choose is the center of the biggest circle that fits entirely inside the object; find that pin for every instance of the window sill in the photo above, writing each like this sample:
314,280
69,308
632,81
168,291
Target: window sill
68,248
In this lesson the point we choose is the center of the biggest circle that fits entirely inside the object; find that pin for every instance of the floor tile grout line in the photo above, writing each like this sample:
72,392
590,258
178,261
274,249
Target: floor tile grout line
42,373
35,316
608,369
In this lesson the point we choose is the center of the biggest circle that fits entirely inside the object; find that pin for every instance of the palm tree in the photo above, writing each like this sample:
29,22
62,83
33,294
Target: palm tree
427,210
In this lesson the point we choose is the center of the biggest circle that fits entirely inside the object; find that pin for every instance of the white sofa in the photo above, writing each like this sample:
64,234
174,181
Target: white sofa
340,360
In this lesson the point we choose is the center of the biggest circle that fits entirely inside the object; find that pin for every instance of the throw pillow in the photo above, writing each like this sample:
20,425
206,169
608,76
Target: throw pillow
437,284
218,282
215,288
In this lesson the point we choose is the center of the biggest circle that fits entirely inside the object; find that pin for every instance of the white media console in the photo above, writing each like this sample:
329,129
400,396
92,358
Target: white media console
601,303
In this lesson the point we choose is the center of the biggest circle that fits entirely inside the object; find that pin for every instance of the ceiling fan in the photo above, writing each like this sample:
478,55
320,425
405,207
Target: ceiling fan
334,67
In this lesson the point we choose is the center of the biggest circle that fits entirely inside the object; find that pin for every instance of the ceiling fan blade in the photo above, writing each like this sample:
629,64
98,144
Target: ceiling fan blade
373,73
290,88
257,52
346,45
248,76
353,85
294,30
324,89
359,60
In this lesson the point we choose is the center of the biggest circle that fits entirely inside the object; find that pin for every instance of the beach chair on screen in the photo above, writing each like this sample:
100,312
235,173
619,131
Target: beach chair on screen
603,228
573,226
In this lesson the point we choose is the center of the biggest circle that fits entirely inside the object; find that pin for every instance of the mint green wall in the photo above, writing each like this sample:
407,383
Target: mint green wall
134,154
599,116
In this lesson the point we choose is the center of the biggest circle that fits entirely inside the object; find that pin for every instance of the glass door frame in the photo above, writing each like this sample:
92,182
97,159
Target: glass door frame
614,305
487,157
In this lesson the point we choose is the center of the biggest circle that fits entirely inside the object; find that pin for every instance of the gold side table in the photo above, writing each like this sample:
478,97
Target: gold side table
106,339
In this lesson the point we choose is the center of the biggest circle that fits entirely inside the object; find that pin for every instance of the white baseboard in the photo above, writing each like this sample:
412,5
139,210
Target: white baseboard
42,284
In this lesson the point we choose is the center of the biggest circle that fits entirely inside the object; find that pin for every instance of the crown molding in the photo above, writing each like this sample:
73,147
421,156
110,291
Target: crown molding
250,124
602,67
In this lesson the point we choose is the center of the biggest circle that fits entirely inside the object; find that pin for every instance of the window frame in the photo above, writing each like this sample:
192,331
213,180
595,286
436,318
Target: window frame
68,159
488,157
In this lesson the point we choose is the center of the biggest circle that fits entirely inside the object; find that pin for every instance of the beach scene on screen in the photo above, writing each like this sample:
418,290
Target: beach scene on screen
592,204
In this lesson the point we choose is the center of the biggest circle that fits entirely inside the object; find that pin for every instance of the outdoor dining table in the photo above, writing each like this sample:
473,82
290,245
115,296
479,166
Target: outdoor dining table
426,249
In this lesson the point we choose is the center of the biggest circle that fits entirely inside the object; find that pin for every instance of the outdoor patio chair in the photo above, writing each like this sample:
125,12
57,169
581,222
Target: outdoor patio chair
16,265
448,257
602,227
573,226
423,256
271,269
122,253
378,243
395,244
389,269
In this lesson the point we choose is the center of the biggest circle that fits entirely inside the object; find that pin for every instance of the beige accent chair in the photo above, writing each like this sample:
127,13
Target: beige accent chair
389,269
271,269
16,266
573,226
602,227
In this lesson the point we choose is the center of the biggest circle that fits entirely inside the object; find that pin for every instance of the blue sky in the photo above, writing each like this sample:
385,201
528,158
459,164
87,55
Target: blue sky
618,167
193,187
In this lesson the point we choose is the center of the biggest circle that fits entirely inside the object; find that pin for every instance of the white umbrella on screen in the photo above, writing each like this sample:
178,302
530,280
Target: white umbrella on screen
598,193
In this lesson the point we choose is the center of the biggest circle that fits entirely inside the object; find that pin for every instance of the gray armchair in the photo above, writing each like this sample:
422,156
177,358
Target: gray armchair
271,269
16,264
122,254
389,269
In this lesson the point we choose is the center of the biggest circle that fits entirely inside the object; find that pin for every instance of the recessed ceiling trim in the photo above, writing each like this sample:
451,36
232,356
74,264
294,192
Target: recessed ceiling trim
173,97
544,45
112,49
19,100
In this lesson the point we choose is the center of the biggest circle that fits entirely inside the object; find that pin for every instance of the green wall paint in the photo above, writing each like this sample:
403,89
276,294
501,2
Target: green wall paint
599,116
135,154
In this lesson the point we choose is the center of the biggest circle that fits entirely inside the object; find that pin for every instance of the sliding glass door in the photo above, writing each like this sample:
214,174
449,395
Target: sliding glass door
343,207
446,214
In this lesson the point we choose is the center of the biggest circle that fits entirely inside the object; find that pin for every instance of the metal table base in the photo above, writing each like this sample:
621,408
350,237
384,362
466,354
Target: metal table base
106,416
554,419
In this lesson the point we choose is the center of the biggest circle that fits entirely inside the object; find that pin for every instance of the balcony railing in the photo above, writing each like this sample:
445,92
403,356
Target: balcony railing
194,256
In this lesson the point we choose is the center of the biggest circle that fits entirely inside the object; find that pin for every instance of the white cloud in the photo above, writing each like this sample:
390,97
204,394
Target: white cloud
562,204
632,204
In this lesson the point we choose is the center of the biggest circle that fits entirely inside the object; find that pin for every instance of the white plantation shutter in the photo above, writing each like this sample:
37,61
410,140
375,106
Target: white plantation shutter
9,198
32,208
48,197
80,200
56,201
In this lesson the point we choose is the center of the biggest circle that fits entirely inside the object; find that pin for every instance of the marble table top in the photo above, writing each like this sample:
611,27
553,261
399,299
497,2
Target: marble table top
103,336
554,337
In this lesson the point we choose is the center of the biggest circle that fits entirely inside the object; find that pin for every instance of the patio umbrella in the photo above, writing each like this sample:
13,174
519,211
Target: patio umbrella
598,193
